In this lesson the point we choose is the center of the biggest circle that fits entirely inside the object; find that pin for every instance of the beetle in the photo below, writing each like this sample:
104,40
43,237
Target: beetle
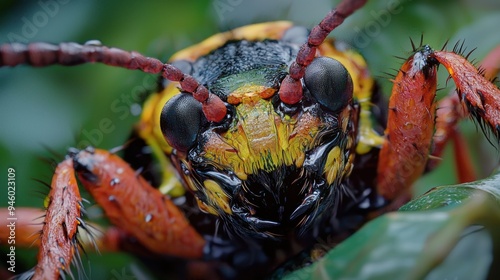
104,126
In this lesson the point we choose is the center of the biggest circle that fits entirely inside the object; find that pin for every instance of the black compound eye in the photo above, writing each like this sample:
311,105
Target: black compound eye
329,82
180,121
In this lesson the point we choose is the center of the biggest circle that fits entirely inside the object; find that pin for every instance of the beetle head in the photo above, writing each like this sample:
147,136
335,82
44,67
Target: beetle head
268,166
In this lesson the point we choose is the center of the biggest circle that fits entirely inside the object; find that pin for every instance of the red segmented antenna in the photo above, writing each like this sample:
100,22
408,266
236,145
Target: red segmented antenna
43,54
291,87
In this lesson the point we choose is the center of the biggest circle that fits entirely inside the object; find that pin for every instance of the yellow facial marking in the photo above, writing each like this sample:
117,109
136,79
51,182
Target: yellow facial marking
333,165
260,139
250,94
206,208
217,196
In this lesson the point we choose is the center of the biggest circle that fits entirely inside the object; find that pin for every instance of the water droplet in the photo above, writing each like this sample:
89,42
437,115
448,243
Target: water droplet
93,43
114,181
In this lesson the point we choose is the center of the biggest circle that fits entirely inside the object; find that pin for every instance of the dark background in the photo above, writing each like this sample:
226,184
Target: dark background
59,107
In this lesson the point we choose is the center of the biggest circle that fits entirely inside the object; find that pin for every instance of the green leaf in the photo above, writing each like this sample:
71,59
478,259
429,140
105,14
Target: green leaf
451,232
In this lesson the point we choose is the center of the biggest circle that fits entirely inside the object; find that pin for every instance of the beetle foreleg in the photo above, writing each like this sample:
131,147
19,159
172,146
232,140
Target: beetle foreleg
410,125
133,205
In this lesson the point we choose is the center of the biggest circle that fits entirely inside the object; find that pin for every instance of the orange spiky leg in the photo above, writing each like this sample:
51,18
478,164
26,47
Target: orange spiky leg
59,232
58,240
129,201
476,93
450,111
135,206
28,226
27,230
410,125
405,152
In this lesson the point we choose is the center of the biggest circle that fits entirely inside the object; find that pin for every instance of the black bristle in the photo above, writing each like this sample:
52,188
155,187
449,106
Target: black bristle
119,148
477,115
40,193
39,236
440,89
25,276
65,230
387,76
469,53
414,49
462,47
400,57
62,274
53,152
41,217
459,47
42,182
84,200
48,160
77,261
445,45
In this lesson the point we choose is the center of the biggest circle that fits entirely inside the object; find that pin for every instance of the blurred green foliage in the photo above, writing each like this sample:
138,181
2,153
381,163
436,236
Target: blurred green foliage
58,107
451,232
